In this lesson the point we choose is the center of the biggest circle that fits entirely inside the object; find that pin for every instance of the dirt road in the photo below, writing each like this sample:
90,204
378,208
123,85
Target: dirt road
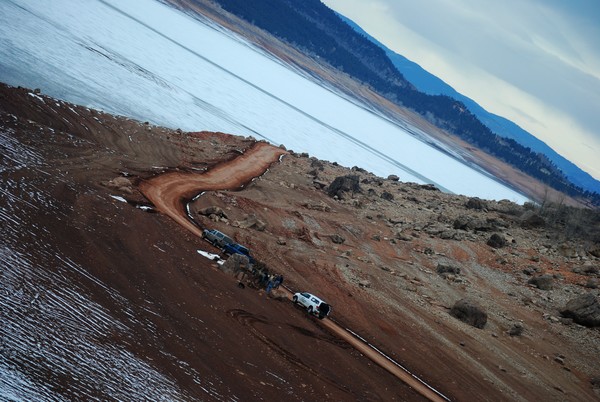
170,191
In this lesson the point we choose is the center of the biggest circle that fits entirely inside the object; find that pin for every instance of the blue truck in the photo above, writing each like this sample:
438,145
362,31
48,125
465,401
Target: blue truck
235,248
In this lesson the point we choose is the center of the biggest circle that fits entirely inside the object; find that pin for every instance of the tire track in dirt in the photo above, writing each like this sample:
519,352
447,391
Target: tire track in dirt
169,192
251,321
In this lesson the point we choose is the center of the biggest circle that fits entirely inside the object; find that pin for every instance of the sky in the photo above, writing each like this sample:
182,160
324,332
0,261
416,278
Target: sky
535,62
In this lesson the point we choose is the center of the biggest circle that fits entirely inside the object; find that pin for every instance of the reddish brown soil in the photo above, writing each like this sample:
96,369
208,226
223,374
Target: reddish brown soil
187,316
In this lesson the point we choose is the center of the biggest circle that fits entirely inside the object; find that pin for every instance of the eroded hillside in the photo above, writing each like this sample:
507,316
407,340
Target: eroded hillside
102,299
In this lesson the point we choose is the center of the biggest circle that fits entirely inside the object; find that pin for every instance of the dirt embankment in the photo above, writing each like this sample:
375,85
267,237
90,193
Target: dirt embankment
170,193
373,254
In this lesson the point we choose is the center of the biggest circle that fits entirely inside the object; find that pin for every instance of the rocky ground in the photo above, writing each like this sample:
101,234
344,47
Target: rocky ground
392,258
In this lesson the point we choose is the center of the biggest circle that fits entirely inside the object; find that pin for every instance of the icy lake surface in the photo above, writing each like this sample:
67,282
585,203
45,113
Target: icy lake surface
153,63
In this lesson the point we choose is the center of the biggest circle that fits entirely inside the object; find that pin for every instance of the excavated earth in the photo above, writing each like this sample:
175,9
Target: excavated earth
86,203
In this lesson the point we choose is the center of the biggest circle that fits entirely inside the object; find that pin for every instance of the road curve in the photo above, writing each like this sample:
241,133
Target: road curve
169,192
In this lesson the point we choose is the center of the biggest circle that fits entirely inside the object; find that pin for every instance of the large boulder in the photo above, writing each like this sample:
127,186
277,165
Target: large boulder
496,241
251,222
469,312
543,282
445,269
213,210
594,250
386,195
235,264
468,222
337,239
584,310
531,220
475,203
120,183
342,185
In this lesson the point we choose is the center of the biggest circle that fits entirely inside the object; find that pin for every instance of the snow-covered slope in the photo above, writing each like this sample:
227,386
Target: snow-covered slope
150,62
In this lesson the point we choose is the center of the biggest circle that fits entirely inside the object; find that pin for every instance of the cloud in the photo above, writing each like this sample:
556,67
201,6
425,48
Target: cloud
536,62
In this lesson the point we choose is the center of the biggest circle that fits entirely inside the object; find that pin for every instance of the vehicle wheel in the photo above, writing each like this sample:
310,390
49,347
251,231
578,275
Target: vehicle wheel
310,310
295,299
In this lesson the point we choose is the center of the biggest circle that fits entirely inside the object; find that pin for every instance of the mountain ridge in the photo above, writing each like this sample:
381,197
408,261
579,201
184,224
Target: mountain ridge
317,31
433,85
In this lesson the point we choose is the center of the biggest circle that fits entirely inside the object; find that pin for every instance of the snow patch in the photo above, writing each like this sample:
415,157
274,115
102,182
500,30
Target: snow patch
118,198
211,256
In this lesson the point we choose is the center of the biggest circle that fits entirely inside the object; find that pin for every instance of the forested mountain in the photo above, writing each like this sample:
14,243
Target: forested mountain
315,29
432,85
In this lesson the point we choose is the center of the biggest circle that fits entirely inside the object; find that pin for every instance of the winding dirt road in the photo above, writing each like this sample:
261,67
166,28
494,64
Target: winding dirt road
170,192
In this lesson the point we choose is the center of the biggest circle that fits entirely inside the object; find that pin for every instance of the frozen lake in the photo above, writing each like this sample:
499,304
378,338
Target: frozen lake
156,64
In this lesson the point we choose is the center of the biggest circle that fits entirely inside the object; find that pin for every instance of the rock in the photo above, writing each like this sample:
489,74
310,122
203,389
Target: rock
443,270
528,271
467,222
393,177
531,220
584,310
386,195
281,241
590,270
278,294
252,222
496,241
319,184
376,237
126,190
592,283
516,330
213,210
543,282
594,250
317,207
403,237
470,313
567,251
235,263
342,185
317,164
429,187
475,203
337,239
451,235
364,284
120,182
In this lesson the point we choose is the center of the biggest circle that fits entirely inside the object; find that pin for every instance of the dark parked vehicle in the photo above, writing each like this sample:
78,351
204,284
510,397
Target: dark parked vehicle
216,238
235,248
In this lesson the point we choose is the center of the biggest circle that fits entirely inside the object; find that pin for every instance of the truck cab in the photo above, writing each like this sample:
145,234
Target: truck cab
235,248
